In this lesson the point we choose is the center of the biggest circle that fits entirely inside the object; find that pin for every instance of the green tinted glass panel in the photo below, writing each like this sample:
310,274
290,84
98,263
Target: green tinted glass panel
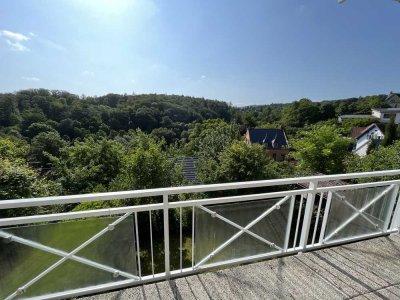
69,276
20,263
211,232
371,221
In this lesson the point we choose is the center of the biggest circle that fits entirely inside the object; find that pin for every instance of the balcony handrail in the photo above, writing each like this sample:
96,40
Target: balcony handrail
303,228
53,200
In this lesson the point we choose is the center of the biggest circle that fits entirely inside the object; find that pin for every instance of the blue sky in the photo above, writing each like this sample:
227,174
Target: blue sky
245,52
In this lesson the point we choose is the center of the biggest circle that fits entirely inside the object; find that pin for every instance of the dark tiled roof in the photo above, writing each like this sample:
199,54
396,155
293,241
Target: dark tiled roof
272,138
189,168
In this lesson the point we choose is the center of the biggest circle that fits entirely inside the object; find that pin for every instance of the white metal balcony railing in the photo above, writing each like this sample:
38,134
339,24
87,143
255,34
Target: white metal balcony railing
47,257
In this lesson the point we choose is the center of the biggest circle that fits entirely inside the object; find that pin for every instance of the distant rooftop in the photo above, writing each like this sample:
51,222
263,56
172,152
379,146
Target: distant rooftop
387,110
271,137
369,128
393,94
356,131
189,168
355,116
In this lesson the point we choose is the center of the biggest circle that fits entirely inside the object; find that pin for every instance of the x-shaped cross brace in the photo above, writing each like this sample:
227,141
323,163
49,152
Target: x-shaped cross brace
242,230
355,209
358,212
65,256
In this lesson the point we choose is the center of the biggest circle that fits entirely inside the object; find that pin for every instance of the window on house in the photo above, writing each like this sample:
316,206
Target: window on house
388,116
274,156
283,156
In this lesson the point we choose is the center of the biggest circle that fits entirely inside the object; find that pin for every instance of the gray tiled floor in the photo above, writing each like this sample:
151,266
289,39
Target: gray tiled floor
364,270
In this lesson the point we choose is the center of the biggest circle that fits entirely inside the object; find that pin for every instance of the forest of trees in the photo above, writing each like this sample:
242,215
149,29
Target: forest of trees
57,143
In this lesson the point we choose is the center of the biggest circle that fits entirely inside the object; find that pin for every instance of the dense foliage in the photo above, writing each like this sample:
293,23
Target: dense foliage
304,111
31,112
383,158
244,162
54,142
390,133
321,149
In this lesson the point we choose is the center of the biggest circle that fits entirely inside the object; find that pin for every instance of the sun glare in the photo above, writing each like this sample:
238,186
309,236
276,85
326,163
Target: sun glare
106,7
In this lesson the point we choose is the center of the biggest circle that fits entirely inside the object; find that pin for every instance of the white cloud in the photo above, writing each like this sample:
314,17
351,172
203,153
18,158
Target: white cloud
200,79
53,45
88,73
31,78
17,46
15,40
14,36
47,42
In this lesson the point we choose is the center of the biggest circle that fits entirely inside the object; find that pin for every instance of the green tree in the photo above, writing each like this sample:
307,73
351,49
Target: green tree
239,162
31,116
166,134
9,113
18,180
347,125
210,137
398,132
373,145
44,145
36,128
321,149
88,166
383,158
70,128
13,149
327,110
147,166
300,112
217,140
249,119
390,133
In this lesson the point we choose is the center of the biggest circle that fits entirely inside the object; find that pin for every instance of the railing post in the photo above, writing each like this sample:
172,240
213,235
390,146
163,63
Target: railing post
289,224
395,225
308,214
166,235
325,218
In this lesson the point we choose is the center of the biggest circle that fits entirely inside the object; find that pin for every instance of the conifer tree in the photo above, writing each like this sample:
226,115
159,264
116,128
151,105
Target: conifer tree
390,133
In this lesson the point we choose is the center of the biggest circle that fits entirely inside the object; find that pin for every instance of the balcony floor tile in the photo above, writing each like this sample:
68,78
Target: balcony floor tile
363,270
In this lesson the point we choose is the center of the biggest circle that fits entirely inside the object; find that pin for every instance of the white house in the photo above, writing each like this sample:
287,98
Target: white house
362,141
393,99
384,114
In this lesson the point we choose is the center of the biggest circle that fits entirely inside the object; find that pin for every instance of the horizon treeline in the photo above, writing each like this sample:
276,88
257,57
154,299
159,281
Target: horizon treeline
28,112
57,143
